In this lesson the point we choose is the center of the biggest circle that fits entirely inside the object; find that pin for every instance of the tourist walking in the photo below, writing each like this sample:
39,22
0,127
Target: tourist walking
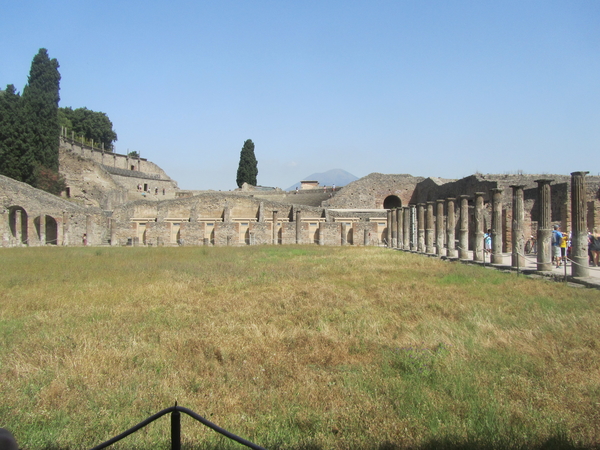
556,242
594,246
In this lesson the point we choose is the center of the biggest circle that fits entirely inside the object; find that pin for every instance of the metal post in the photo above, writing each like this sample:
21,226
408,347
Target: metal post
175,430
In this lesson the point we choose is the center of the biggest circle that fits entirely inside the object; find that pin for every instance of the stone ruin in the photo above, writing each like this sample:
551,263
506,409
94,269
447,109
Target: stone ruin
118,200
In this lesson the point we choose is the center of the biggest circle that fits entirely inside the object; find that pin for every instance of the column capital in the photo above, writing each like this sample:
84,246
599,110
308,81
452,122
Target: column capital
496,190
517,186
441,200
580,174
451,199
544,181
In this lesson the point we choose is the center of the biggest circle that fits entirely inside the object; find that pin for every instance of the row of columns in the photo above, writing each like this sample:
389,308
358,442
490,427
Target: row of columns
413,227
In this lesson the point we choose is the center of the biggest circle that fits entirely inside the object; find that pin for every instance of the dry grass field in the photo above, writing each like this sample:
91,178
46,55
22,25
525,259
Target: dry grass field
293,347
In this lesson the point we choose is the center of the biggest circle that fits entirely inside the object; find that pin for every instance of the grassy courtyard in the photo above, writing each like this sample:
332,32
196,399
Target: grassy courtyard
293,347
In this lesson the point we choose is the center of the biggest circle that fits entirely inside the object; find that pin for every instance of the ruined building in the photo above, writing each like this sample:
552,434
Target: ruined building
120,200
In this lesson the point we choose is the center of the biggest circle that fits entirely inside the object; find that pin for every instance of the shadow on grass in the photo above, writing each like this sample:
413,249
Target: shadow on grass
553,443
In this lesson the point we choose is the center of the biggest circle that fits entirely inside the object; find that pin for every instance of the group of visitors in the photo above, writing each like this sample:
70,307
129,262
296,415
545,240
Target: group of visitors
561,247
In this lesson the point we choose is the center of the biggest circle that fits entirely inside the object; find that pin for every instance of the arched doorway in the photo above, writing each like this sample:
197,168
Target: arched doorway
17,219
51,231
391,202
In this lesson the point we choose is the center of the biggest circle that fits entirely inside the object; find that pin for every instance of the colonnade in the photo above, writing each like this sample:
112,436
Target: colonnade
431,227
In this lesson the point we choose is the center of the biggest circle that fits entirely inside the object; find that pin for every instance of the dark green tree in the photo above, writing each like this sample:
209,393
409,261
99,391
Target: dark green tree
248,167
12,137
90,124
40,115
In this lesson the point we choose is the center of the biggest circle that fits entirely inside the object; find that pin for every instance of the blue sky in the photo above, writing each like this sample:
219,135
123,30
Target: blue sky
430,88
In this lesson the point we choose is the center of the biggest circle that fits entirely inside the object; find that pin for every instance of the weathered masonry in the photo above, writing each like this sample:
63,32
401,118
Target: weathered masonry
119,200
30,217
507,227
229,219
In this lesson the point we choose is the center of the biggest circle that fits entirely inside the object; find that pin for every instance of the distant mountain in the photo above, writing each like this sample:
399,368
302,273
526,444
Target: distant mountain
338,177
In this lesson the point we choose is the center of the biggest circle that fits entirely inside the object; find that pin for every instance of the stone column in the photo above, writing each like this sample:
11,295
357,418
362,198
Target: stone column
32,239
579,237
518,238
5,227
261,212
390,225
399,228
407,226
450,227
88,228
421,227
479,226
544,232
463,239
321,233
274,231
42,229
298,226
439,227
394,228
65,229
344,234
497,257
113,232
18,227
366,238
429,229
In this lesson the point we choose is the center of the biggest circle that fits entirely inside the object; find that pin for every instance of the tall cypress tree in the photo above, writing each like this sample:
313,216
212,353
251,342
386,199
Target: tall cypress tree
248,167
12,136
40,115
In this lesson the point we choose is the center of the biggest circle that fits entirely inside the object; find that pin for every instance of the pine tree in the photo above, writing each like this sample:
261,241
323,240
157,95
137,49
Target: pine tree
248,167
40,115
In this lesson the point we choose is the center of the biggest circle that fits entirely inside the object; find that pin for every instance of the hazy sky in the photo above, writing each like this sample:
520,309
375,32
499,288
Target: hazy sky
430,88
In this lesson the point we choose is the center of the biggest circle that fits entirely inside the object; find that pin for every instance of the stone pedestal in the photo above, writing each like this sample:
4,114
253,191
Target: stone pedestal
440,229
497,257
479,226
450,227
544,232
518,237
579,238
429,229
463,238
421,227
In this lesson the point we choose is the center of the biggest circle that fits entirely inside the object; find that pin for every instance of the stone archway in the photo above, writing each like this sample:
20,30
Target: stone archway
51,231
391,202
17,219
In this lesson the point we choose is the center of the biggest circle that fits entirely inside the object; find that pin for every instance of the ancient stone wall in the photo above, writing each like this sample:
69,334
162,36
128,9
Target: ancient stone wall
371,191
32,217
104,179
